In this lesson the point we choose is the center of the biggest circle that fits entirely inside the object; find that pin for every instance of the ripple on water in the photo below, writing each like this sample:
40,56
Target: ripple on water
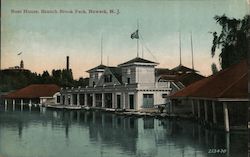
94,134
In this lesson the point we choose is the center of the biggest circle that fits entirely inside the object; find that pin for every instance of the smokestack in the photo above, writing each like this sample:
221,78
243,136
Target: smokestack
21,64
67,63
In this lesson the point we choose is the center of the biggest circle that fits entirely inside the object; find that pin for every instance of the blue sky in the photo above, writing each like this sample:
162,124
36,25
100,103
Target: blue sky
46,39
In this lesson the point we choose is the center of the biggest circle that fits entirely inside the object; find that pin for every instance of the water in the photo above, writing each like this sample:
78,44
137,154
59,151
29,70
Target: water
99,134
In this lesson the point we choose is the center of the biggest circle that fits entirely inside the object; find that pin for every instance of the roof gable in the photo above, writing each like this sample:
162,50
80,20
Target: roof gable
182,69
138,60
99,67
116,76
117,72
163,71
185,78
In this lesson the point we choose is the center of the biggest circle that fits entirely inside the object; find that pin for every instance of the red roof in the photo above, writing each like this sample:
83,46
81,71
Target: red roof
229,83
34,91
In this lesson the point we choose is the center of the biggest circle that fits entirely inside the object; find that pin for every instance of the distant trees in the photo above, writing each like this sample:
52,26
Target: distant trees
15,79
233,39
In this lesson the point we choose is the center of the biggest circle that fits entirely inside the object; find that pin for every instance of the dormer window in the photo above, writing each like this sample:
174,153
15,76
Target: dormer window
107,78
128,71
96,76
128,80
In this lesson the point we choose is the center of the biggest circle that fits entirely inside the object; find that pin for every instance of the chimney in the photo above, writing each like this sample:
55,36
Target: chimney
67,63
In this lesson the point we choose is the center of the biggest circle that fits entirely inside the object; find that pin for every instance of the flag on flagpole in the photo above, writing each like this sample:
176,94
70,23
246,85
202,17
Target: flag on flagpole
135,35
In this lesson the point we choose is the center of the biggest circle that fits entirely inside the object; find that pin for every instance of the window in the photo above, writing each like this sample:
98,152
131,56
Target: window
58,99
96,76
128,80
165,95
128,71
148,100
107,78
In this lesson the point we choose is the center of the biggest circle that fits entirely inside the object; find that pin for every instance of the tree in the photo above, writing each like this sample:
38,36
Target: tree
214,68
232,40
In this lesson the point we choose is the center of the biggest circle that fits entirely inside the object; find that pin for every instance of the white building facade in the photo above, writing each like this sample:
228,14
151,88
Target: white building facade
132,85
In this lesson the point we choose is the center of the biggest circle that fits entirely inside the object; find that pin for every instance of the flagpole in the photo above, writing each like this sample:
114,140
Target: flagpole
101,49
180,45
192,51
138,39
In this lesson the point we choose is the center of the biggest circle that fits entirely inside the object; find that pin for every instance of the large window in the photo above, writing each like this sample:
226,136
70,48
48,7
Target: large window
148,100
107,78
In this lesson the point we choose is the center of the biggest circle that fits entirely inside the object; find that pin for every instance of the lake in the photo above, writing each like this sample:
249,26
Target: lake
50,133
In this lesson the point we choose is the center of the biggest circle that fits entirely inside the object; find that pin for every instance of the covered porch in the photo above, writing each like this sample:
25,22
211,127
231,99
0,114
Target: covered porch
220,100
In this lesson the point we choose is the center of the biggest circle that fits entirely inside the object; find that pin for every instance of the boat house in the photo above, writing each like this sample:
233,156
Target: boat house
134,85
35,94
219,100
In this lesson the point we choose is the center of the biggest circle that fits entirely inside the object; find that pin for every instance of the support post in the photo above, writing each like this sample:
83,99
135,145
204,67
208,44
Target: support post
71,99
214,112
192,102
199,109
93,100
5,104
226,117
137,105
103,104
124,100
78,100
30,105
13,103
205,109
85,100
21,104
61,100
113,101
66,100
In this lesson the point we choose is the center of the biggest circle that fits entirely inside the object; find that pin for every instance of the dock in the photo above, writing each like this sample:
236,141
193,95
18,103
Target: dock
122,112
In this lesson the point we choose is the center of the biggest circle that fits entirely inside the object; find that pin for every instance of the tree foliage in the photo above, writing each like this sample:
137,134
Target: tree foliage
214,68
12,79
232,40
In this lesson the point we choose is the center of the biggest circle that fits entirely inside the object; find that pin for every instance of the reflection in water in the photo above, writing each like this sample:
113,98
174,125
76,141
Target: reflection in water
95,133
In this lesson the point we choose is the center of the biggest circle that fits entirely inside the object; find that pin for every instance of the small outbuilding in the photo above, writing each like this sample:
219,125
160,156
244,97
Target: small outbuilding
220,100
35,94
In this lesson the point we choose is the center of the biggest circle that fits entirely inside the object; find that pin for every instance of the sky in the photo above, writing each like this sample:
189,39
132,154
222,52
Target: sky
45,39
